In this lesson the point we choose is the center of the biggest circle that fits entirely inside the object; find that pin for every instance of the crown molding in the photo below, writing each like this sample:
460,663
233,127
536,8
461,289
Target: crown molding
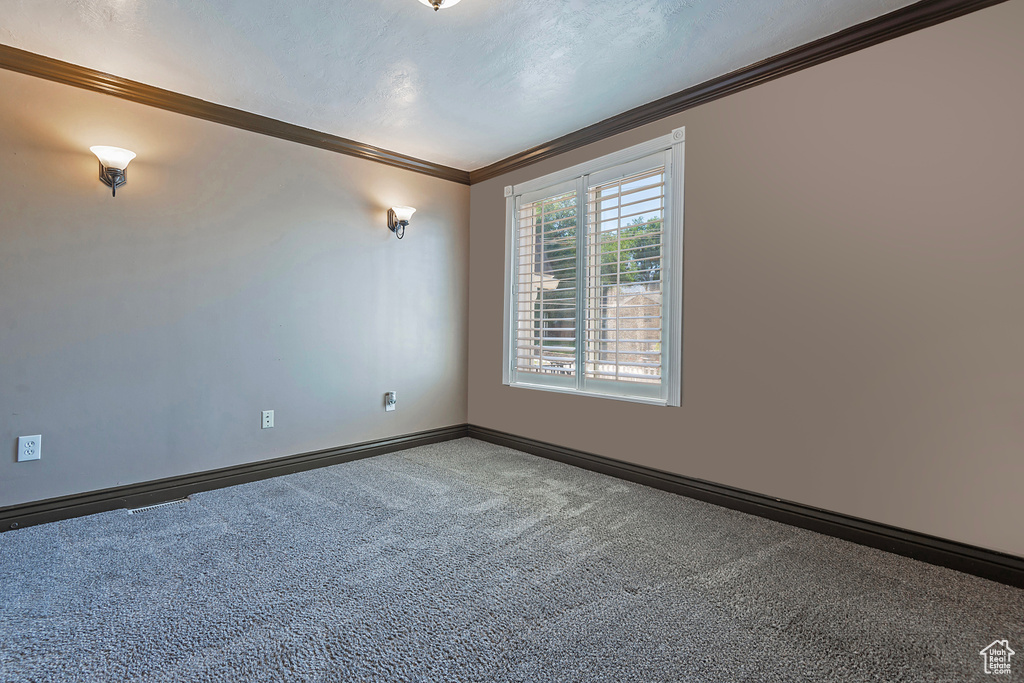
886,27
872,32
51,69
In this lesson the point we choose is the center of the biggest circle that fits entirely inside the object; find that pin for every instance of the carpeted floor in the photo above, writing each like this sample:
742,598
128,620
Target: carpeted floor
465,561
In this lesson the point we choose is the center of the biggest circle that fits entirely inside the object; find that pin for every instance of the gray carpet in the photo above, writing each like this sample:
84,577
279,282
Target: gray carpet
465,561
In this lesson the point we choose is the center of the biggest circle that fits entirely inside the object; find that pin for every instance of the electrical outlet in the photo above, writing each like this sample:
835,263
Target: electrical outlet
268,419
390,399
30,447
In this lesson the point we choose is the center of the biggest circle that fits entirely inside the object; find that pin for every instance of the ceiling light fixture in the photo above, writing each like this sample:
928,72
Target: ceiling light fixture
398,219
113,166
439,4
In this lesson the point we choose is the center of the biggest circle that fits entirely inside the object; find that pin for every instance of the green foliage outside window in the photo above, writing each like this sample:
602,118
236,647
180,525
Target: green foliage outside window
631,254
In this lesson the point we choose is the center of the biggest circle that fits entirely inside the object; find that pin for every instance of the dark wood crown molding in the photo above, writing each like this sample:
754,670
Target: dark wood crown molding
886,27
32,64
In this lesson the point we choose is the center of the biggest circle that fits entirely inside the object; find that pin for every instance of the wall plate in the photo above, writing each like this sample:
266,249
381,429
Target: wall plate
30,447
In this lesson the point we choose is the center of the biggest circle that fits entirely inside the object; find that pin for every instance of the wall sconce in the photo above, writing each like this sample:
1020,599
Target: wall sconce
113,166
398,219
439,4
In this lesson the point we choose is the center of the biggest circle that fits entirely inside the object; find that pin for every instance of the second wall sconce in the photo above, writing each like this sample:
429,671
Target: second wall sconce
113,165
398,219
439,4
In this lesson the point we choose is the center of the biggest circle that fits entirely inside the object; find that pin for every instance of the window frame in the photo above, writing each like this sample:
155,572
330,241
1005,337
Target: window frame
673,146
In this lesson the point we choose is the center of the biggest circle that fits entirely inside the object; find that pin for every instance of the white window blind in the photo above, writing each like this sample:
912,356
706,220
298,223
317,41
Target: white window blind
546,311
624,264
594,271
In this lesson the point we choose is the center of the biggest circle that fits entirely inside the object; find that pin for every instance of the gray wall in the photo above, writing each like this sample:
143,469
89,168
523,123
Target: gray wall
854,304
143,335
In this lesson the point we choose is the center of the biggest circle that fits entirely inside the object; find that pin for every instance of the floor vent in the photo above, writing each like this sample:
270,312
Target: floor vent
147,508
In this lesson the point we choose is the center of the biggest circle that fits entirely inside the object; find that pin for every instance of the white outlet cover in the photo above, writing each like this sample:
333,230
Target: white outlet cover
390,399
268,419
30,447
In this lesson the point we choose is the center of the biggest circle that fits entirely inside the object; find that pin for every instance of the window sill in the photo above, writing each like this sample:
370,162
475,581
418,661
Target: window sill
591,394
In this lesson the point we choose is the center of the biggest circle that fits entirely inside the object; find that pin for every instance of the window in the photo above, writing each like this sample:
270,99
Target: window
593,287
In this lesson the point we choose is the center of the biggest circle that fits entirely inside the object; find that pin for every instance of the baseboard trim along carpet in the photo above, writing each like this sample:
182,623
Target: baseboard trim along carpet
172,488
987,564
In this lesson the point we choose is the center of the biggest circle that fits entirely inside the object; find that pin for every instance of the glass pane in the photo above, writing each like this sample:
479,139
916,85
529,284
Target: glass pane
546,297
623,294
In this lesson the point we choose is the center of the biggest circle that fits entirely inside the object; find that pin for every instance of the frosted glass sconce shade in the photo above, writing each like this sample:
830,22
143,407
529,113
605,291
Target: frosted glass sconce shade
113,164
439,4
403,213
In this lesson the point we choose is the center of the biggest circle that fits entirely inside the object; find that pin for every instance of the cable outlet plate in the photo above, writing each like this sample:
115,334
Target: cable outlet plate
30,447
390,399
268,419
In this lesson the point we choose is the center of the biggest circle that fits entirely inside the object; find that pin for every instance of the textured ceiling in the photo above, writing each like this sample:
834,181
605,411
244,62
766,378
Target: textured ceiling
464,87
